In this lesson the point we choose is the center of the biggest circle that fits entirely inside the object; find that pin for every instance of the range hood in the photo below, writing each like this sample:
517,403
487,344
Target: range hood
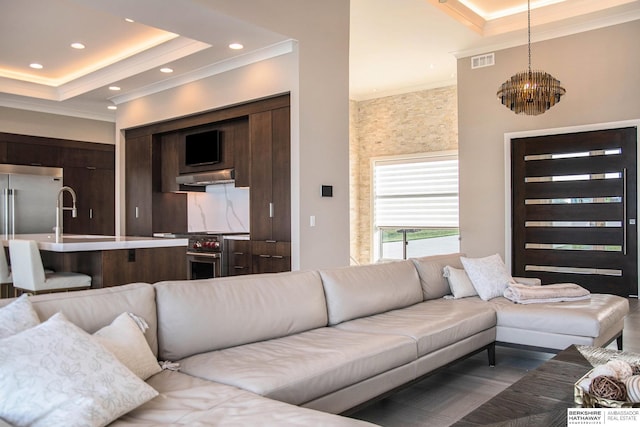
200,179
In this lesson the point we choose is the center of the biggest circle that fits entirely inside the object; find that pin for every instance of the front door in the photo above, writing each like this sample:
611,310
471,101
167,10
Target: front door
574,209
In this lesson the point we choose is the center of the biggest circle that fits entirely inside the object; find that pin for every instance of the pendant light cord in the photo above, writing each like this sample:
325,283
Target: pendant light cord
529,32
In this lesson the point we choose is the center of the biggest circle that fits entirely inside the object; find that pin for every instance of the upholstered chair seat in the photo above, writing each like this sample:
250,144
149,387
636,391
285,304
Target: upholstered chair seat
29,275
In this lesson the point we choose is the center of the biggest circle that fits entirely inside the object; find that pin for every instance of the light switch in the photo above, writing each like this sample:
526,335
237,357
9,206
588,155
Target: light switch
312,221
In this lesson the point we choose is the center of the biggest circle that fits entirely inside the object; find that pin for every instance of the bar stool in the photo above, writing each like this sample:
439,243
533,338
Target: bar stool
29,275
5,275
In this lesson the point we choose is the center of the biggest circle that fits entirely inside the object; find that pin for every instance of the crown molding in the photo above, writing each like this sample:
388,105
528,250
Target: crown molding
272,51
578,25
57,108
172,50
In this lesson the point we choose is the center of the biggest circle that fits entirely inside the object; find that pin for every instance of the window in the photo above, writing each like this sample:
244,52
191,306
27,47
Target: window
415,206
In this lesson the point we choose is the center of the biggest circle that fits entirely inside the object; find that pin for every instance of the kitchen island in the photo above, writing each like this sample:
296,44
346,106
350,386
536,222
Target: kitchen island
113,260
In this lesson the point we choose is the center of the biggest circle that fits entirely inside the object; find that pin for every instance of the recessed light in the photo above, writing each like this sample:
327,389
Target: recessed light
77,45
114,88
166,70
129,20
112,107
36,66
236,46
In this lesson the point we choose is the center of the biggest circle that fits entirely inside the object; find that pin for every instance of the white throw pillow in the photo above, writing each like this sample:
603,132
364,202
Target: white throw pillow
124,338
489,275
17,317
57,374
459,282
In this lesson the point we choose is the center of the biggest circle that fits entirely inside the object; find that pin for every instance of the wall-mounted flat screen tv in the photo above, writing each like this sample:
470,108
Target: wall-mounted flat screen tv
203,148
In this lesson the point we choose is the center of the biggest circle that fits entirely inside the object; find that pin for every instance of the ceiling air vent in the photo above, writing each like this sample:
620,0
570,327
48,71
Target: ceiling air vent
486,60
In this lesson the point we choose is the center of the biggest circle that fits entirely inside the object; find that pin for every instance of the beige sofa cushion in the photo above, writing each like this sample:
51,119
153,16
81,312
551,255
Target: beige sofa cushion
204,315
587,318
432,324
95,308
431,272
189,401
359,291
305,366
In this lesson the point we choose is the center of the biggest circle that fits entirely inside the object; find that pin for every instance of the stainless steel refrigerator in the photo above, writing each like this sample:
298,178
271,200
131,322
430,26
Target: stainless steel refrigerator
28,199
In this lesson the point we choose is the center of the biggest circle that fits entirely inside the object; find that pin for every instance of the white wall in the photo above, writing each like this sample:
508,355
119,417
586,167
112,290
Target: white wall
24,122
317,76
600,71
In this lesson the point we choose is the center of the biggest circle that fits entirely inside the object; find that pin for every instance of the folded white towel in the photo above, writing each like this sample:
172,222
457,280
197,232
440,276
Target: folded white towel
523,294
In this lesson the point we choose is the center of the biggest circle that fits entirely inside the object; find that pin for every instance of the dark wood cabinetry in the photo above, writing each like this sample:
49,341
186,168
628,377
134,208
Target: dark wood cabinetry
91,173
88,168
34,154
270,175
238,257
139,186
270,256
256,143
121,266
148,209
95,189
270,190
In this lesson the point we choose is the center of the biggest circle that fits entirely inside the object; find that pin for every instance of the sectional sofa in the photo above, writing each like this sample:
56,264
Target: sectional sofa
295,348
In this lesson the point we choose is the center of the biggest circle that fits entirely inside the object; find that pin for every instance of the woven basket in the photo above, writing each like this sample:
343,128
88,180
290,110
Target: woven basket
588,400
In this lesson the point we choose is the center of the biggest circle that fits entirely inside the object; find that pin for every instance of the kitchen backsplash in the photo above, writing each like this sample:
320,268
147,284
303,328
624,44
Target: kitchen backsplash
222,207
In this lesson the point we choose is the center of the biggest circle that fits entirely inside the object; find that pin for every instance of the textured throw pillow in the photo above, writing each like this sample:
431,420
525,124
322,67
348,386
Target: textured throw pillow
459,282
57,374
125,339
17,317
489,275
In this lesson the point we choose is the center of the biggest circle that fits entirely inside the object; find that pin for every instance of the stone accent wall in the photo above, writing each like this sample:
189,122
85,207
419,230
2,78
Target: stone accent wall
416,122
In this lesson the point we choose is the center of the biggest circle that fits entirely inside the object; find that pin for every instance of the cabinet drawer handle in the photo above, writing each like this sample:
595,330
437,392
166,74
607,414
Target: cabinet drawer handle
270,241
277,256
91,213
238,253
137,212
239,267
271,210
265,256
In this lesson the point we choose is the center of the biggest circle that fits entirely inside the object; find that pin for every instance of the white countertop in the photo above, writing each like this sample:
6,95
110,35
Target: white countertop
82,243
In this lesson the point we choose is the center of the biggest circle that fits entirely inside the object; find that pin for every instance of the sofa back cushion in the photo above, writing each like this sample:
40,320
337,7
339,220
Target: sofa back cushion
204,315
94,309
364,290
431,270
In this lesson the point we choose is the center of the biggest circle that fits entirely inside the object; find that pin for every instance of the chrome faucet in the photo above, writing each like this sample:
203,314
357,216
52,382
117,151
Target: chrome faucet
60,208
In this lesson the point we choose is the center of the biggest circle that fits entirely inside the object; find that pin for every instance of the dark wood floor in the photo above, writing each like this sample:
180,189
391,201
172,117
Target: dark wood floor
448,395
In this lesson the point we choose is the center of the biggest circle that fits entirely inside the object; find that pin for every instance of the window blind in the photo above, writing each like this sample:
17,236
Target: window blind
420,192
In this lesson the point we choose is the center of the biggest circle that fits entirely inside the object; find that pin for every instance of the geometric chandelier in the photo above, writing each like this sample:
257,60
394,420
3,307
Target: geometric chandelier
530,92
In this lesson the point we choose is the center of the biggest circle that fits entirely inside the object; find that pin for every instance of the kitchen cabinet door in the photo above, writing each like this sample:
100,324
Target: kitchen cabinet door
139,186
238,257
95,190
270,256
34,154
281,174
270,175
260,195
97,156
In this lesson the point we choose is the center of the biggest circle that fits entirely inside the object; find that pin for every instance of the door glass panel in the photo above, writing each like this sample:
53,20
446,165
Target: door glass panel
574,201
554,156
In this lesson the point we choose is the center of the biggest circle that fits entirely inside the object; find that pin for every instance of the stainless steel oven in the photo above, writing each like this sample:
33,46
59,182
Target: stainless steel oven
204,265
206,255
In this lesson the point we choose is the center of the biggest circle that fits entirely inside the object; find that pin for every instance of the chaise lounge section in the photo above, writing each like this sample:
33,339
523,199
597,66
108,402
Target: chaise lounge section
295,348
